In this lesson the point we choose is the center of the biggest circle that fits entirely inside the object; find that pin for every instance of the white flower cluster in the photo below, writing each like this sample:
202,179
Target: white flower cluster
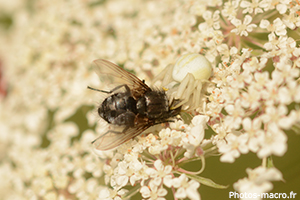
256,104
47,116
153,161
258,180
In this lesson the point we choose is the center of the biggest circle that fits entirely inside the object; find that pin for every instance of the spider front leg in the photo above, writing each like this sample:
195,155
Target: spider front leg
164,77
189,74
185,90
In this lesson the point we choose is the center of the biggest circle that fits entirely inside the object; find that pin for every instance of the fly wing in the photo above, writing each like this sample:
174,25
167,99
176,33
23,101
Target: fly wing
107,70
112,139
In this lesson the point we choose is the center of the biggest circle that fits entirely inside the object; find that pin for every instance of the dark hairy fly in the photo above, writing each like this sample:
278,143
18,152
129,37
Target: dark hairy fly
132,105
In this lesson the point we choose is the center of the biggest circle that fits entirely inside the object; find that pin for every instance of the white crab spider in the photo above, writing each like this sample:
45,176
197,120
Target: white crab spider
185,79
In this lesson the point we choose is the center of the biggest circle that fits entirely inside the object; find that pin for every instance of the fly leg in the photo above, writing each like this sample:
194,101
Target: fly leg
111,91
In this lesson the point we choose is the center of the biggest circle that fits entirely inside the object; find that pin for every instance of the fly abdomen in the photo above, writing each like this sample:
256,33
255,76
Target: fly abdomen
115,105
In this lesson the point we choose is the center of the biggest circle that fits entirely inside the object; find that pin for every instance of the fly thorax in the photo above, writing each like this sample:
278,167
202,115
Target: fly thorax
141,106
157,105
